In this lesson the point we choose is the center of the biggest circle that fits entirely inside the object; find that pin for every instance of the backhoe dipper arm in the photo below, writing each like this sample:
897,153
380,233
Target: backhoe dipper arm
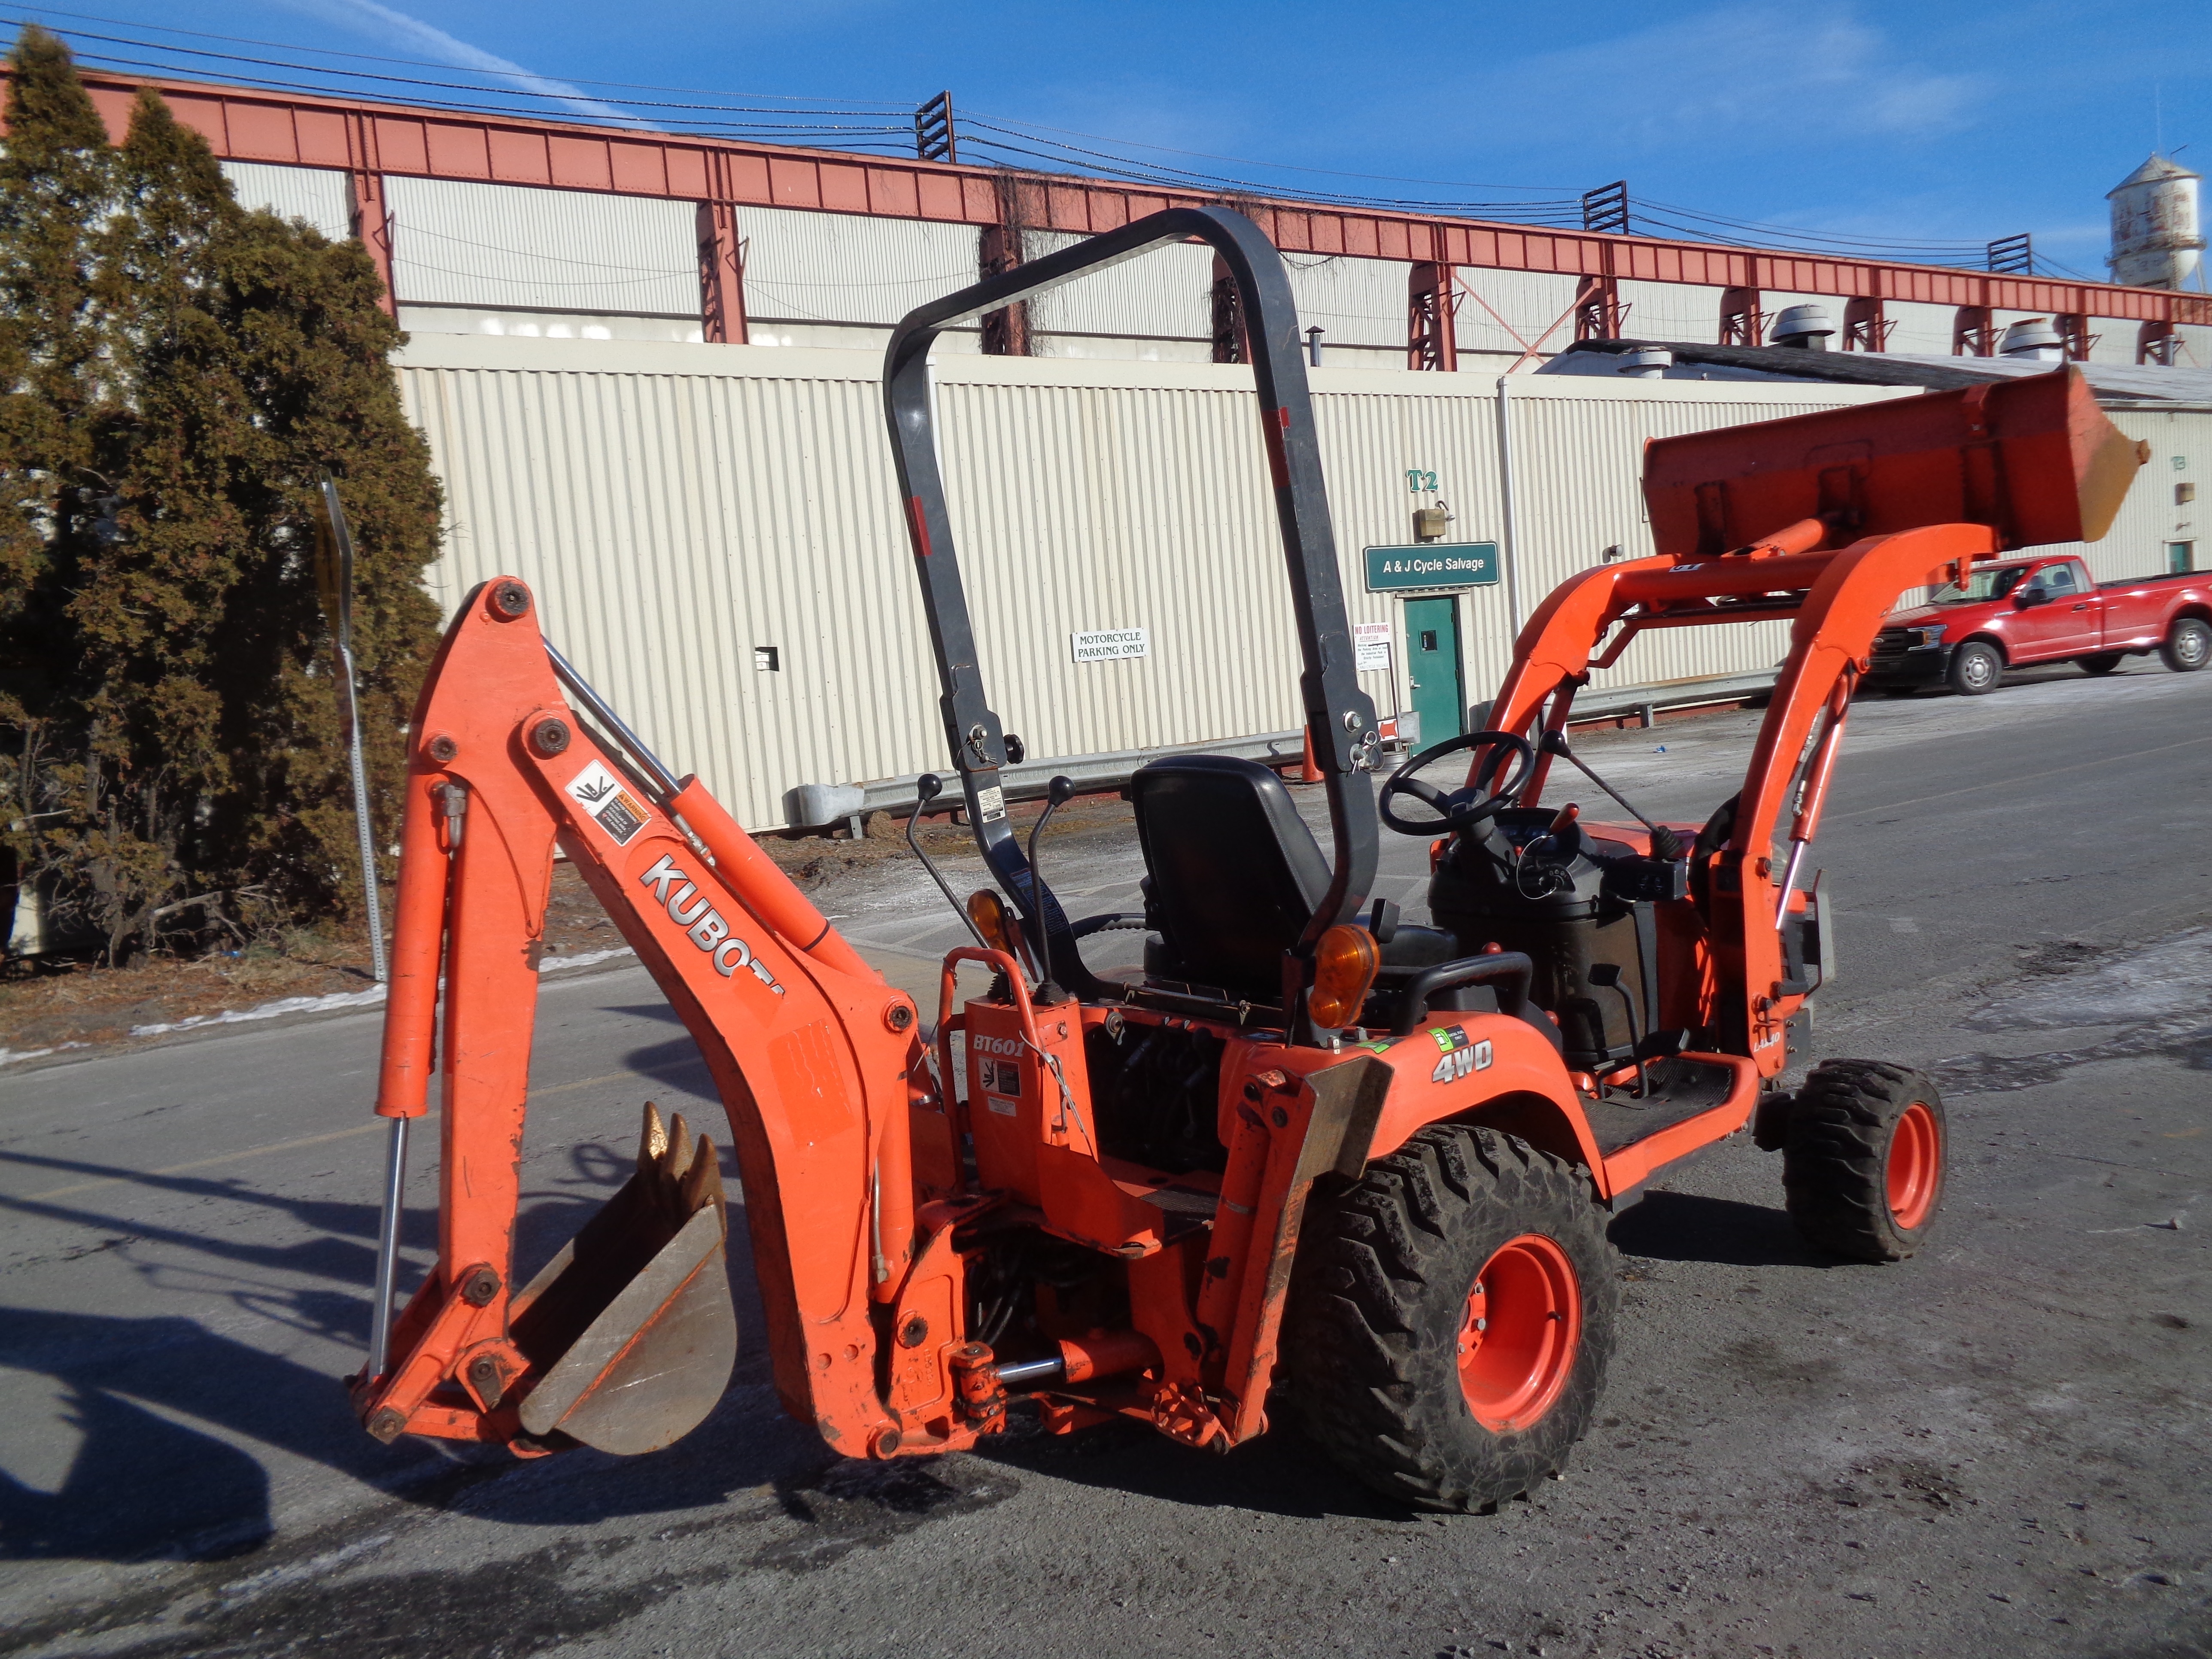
1340,717
812,1054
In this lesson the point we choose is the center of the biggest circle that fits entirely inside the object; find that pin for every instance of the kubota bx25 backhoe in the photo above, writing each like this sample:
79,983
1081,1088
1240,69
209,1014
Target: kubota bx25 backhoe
1311,1157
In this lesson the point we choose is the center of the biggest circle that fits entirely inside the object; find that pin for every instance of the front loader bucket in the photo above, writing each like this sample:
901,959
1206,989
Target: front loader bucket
630,1331
2034,458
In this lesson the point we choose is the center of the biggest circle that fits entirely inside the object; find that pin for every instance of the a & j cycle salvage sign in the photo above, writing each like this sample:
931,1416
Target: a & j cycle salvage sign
1431,565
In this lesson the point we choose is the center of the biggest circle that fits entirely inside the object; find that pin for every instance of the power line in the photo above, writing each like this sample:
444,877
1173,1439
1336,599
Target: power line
845,123
861,105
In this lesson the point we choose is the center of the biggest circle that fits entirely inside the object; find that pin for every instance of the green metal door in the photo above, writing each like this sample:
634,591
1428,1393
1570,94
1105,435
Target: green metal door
1432,667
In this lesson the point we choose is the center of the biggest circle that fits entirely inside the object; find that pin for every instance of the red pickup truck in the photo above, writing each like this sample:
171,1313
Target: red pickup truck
2042,611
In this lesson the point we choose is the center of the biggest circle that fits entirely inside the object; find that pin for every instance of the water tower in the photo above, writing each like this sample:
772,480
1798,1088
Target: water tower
2156,239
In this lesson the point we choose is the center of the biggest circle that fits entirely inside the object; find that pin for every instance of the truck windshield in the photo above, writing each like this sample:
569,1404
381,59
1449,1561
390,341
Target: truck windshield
1993,584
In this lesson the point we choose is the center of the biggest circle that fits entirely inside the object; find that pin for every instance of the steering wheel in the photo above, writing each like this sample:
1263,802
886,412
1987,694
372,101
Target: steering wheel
1459,809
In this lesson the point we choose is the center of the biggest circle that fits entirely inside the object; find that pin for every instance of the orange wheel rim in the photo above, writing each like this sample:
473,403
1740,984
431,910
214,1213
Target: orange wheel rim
1522,1329
1915,1163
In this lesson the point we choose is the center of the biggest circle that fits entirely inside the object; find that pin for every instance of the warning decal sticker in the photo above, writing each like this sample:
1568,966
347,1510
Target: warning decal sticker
618,811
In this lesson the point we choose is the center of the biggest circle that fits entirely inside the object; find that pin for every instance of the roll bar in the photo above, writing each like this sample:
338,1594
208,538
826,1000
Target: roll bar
1340,717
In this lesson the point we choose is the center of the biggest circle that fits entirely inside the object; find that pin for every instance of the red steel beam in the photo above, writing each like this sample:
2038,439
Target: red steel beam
302,130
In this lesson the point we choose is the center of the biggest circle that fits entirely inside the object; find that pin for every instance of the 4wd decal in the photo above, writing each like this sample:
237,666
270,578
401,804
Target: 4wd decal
691,910
618,811
1461,1056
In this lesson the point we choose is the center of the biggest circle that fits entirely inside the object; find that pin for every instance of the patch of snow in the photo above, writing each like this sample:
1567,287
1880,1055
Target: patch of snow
276,1009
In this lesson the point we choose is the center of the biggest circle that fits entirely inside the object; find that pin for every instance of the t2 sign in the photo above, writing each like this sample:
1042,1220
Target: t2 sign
1431,565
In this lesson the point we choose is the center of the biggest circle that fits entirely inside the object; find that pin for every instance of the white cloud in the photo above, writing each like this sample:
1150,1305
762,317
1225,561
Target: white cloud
1773,75
396,28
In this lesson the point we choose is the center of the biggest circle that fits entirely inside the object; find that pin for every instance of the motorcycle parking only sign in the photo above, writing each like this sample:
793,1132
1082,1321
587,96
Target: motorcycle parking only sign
1112,645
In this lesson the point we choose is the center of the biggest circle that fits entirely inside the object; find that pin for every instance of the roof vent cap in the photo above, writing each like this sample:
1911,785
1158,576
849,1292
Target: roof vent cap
1806,327
1645,362
2034,339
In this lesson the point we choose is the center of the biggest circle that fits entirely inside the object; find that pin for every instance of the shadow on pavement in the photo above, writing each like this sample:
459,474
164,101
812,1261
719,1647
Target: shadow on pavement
144,1484
1279,1474
154,1406
1684,1227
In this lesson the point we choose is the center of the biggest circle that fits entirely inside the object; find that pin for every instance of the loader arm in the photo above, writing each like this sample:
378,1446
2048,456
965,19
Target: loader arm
1823,520
813,1055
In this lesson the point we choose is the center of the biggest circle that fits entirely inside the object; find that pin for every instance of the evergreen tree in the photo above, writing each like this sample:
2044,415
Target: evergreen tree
190,744
57,178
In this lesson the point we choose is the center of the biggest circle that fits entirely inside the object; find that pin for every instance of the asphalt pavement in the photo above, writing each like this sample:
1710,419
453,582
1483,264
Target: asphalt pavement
1998,1447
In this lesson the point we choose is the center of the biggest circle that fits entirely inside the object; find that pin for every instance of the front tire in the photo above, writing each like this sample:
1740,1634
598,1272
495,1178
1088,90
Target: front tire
2188,646
1976,668
1863,1159
1452,1313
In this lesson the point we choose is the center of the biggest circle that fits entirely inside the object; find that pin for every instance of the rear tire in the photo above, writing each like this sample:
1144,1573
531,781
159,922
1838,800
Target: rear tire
1976,668
1452,1313
2103,663
1863,1159
2188,646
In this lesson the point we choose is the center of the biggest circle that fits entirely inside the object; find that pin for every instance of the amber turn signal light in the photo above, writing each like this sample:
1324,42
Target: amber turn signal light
1344,969
1000,931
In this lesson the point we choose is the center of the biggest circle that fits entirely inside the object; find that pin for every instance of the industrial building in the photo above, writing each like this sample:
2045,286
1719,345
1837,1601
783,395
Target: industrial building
647,368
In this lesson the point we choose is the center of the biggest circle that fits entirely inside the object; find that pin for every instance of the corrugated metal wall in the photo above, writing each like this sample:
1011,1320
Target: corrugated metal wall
558,250
1530,301
316,194
847,268
1166,295
677,507
2181,453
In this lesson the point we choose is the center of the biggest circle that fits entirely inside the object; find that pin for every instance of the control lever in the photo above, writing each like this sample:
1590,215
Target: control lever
927,787
1665,843
1057,794
1608,975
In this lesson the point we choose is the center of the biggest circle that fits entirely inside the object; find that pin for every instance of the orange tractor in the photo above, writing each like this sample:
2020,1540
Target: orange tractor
1311,1157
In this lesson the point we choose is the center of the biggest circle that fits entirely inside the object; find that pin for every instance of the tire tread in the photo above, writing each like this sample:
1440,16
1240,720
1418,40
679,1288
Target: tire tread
1375,1267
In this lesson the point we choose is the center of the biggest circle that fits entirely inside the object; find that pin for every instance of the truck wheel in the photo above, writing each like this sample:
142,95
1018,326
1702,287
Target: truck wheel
2188,647
2103,663
1976,668
1451,1317
1863,1159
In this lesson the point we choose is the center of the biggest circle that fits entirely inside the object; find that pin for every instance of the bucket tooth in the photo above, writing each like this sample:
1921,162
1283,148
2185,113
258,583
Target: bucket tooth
630,1331
702,1182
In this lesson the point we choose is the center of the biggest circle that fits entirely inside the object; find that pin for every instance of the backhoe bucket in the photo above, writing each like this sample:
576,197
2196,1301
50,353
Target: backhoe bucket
630,1332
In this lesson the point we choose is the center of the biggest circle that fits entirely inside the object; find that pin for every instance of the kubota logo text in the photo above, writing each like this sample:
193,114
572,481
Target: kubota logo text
691,910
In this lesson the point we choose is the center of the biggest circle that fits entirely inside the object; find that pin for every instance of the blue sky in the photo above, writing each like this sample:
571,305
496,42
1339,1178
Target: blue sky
1957,122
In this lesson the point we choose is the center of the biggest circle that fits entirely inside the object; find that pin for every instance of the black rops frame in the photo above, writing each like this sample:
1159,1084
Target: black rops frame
1340,717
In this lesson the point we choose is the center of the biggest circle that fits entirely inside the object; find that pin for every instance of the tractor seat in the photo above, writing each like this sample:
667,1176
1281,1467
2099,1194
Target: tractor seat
1235,876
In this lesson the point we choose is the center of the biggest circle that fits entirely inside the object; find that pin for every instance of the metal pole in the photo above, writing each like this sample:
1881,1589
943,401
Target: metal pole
388,1250
335,575
362,823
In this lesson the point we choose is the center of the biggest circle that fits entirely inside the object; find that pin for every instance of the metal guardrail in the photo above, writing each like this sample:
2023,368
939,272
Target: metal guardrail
822,805
825,805
1647,701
